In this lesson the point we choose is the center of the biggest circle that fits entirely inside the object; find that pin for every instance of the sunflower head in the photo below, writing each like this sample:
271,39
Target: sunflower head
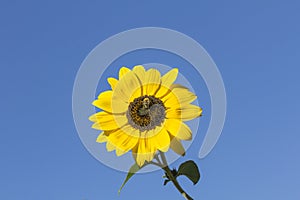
144,112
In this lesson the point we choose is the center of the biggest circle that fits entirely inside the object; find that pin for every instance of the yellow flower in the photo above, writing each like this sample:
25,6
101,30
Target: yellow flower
144,112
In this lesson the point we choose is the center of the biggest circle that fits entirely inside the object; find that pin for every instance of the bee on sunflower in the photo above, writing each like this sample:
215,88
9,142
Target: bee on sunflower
144,113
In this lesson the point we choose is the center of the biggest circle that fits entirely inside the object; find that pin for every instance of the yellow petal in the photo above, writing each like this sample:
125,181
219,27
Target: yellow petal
185,113
123,71
152,81
110,146
126,87
184,95
147,146
179,96
139,68
119,152
119,106
162,92
178,129
173,86
112,82
143,151
101,138
106,121
129,130
139,71
161,140
169,78
122,141
176,146
135,94
167,83
171,101
104,101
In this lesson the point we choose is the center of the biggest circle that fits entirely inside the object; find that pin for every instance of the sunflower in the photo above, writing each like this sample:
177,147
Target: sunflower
144,112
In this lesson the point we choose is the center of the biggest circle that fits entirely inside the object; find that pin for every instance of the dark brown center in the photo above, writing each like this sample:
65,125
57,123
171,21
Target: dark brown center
146,112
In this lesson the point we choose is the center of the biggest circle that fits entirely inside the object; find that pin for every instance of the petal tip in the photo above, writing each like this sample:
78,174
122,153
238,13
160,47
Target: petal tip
92,117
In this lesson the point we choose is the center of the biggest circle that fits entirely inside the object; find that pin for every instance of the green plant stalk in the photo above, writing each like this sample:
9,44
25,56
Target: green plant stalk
166,168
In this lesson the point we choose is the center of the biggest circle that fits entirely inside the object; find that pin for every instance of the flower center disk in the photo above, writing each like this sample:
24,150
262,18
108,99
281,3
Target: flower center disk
146,112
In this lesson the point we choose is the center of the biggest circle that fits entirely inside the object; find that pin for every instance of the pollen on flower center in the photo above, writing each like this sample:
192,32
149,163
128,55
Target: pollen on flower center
146,112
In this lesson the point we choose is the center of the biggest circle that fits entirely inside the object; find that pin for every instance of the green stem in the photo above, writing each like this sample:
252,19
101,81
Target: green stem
172,178
156,164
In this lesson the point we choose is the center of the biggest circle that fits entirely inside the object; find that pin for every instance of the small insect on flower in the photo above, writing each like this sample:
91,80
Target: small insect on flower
144,112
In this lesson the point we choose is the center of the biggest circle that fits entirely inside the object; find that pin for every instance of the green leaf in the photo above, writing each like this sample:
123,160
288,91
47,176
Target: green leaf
190,170
133,169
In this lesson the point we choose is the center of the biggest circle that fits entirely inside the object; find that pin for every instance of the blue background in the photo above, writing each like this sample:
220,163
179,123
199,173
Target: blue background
255,45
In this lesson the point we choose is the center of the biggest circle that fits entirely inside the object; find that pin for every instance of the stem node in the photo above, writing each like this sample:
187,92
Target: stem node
171,177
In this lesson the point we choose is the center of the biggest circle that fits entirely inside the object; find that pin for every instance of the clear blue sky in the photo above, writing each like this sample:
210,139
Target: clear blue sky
255,44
